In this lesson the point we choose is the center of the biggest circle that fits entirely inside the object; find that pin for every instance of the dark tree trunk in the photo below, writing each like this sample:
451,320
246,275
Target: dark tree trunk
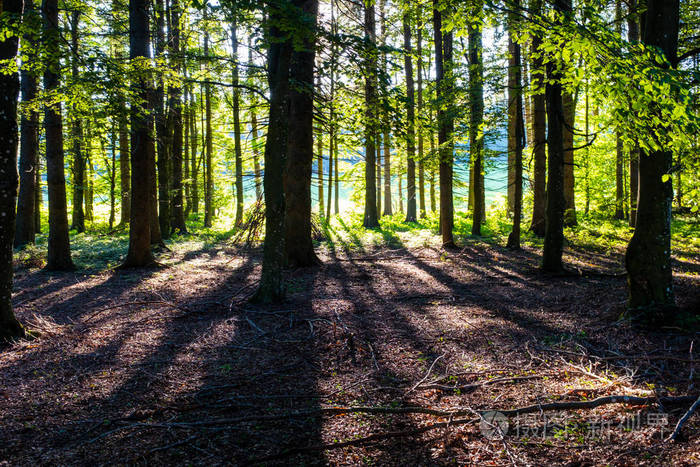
124,169
156,237
569,106
410,123
78,217
272,288
112,172
237,126
319,161
648,258
194,166
186,184
139,254
371,104
38,196
515,96
254,126
10,328
539,133
476,118
300,151
633,36
175,123
59,257
419,106
555,204
29,143
162,143
445,88
209,176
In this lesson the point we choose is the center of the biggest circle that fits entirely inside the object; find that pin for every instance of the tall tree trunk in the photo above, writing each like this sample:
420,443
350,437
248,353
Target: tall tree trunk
445,97
175,123
554,214
300,151
331,147
419,122
378,184
371,104
78,217
112,172
254,124
272,288
29,143
539,133
433,200
237,127
569,108
319,159
38,195
156,237
411,215
633,36
59,256
515,95
476,119
124,170
336,173
162,137
89,178
139,254
209,177
194,166
186,184
648,257
10,328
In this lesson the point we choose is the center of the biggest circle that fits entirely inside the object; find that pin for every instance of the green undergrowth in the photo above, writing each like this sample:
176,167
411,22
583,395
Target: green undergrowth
100,248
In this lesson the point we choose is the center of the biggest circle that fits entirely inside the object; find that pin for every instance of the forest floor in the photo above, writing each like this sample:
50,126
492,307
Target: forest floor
174,366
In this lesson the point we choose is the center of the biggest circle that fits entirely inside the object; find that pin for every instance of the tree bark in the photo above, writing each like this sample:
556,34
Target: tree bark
240,202
209,177
59,256
300,150
539,132
411,215
419,121
254,124
163,145
569,108
371,104
78,217
29,143
515,95
555,205
139,254
175,124
271,287
648,257
633,36
10,328
445,88
476,119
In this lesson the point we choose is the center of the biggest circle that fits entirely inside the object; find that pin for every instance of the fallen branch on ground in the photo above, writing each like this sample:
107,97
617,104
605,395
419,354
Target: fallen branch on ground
684,419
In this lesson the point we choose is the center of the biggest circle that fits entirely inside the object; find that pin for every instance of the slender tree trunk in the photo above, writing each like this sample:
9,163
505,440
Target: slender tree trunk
445,87
516,97
78,217
209,177
187,185
156,236
237,127
29,144
332,142
648,257
162,137
112,172
569,107
433,200
254,124
319,165
89,178
139,254
378,160
300,151
10,328
38,193
411,215
59,256
124,170
371,104
336,173
194,166
633,36
476,119
175,123
419,122
539,133
272,288
556,204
